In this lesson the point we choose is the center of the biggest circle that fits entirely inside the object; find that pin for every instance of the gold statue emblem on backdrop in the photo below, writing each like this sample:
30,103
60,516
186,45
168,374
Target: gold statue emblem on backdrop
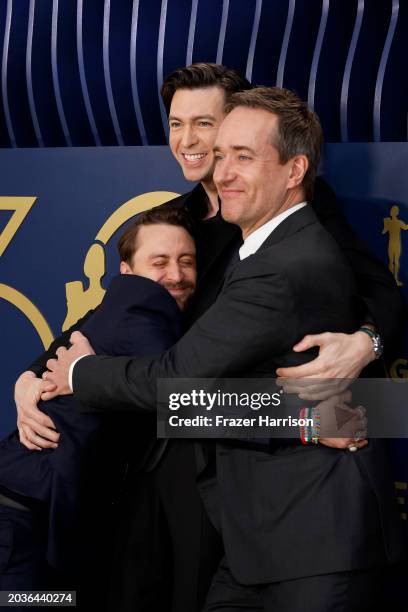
393,226
80,300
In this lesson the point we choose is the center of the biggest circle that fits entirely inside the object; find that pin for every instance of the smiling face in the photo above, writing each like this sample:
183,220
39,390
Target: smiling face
166,254
254,186
194,118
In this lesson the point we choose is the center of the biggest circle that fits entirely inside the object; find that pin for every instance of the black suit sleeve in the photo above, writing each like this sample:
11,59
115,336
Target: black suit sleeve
38,365
252,320
381,300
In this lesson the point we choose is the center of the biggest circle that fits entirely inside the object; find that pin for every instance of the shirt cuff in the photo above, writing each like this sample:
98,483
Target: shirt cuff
71,371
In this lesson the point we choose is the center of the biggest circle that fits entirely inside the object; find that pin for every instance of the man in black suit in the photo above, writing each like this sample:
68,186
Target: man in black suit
303,527
55,505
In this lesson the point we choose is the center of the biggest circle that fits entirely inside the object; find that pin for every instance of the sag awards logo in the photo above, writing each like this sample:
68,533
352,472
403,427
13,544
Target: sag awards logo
80,299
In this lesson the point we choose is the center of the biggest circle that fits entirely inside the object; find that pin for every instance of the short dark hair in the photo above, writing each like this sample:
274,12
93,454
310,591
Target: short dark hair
202,75
167,215
299,131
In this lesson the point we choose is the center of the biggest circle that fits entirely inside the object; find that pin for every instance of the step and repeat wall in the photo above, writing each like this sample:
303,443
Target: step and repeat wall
88,72
66,207
83,135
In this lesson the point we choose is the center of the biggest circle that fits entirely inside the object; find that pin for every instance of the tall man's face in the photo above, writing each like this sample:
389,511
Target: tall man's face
254,186
166,254
194,118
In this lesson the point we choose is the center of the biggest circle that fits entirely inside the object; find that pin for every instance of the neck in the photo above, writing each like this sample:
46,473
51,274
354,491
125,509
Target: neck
212,194
291,199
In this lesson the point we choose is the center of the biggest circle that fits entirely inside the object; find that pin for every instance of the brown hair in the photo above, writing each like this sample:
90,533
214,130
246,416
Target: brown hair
299,131
167,214
202,75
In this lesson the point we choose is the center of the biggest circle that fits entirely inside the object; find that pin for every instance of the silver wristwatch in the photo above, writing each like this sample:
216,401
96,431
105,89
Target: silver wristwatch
375,339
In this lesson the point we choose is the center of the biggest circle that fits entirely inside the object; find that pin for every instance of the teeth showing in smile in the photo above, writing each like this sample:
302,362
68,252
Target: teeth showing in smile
193,156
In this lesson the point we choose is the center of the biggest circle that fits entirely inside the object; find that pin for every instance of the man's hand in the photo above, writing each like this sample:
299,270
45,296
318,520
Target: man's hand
58,369
341,359
36,429
341,425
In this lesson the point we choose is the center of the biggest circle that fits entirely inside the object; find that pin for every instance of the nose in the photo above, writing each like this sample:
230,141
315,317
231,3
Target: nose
224,171
189,136
174,272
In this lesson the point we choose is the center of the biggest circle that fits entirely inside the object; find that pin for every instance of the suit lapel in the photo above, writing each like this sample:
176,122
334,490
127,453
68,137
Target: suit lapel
292,224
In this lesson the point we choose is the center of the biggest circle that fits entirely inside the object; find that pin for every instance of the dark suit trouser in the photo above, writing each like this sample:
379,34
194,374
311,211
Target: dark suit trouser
355,591
22,551
168,551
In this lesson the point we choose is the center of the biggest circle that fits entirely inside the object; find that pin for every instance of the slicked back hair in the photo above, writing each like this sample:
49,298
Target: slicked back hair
200,75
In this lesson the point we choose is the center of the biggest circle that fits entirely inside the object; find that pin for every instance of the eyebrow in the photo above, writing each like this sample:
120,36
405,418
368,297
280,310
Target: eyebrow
167,256
217,148
195,118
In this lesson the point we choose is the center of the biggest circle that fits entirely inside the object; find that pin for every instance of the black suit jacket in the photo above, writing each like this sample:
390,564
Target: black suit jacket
137,316
297,511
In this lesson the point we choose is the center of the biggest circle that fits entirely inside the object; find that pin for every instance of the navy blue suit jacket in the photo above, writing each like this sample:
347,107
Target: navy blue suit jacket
137,317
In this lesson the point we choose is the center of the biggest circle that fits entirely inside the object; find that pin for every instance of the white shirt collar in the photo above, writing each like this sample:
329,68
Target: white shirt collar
258,237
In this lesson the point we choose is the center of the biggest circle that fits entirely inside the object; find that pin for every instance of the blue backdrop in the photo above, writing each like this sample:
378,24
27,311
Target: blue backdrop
88,73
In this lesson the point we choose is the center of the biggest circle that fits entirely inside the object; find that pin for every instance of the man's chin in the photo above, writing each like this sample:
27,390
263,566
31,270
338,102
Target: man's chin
229,216
181,298
195,175
231,211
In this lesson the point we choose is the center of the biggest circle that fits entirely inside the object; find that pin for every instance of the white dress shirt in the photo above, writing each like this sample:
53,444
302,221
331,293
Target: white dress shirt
258,237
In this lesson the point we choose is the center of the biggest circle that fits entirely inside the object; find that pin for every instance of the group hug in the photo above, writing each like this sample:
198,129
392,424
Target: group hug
254,273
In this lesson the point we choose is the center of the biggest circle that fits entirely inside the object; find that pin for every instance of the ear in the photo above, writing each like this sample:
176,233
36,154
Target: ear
298,169
125,268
